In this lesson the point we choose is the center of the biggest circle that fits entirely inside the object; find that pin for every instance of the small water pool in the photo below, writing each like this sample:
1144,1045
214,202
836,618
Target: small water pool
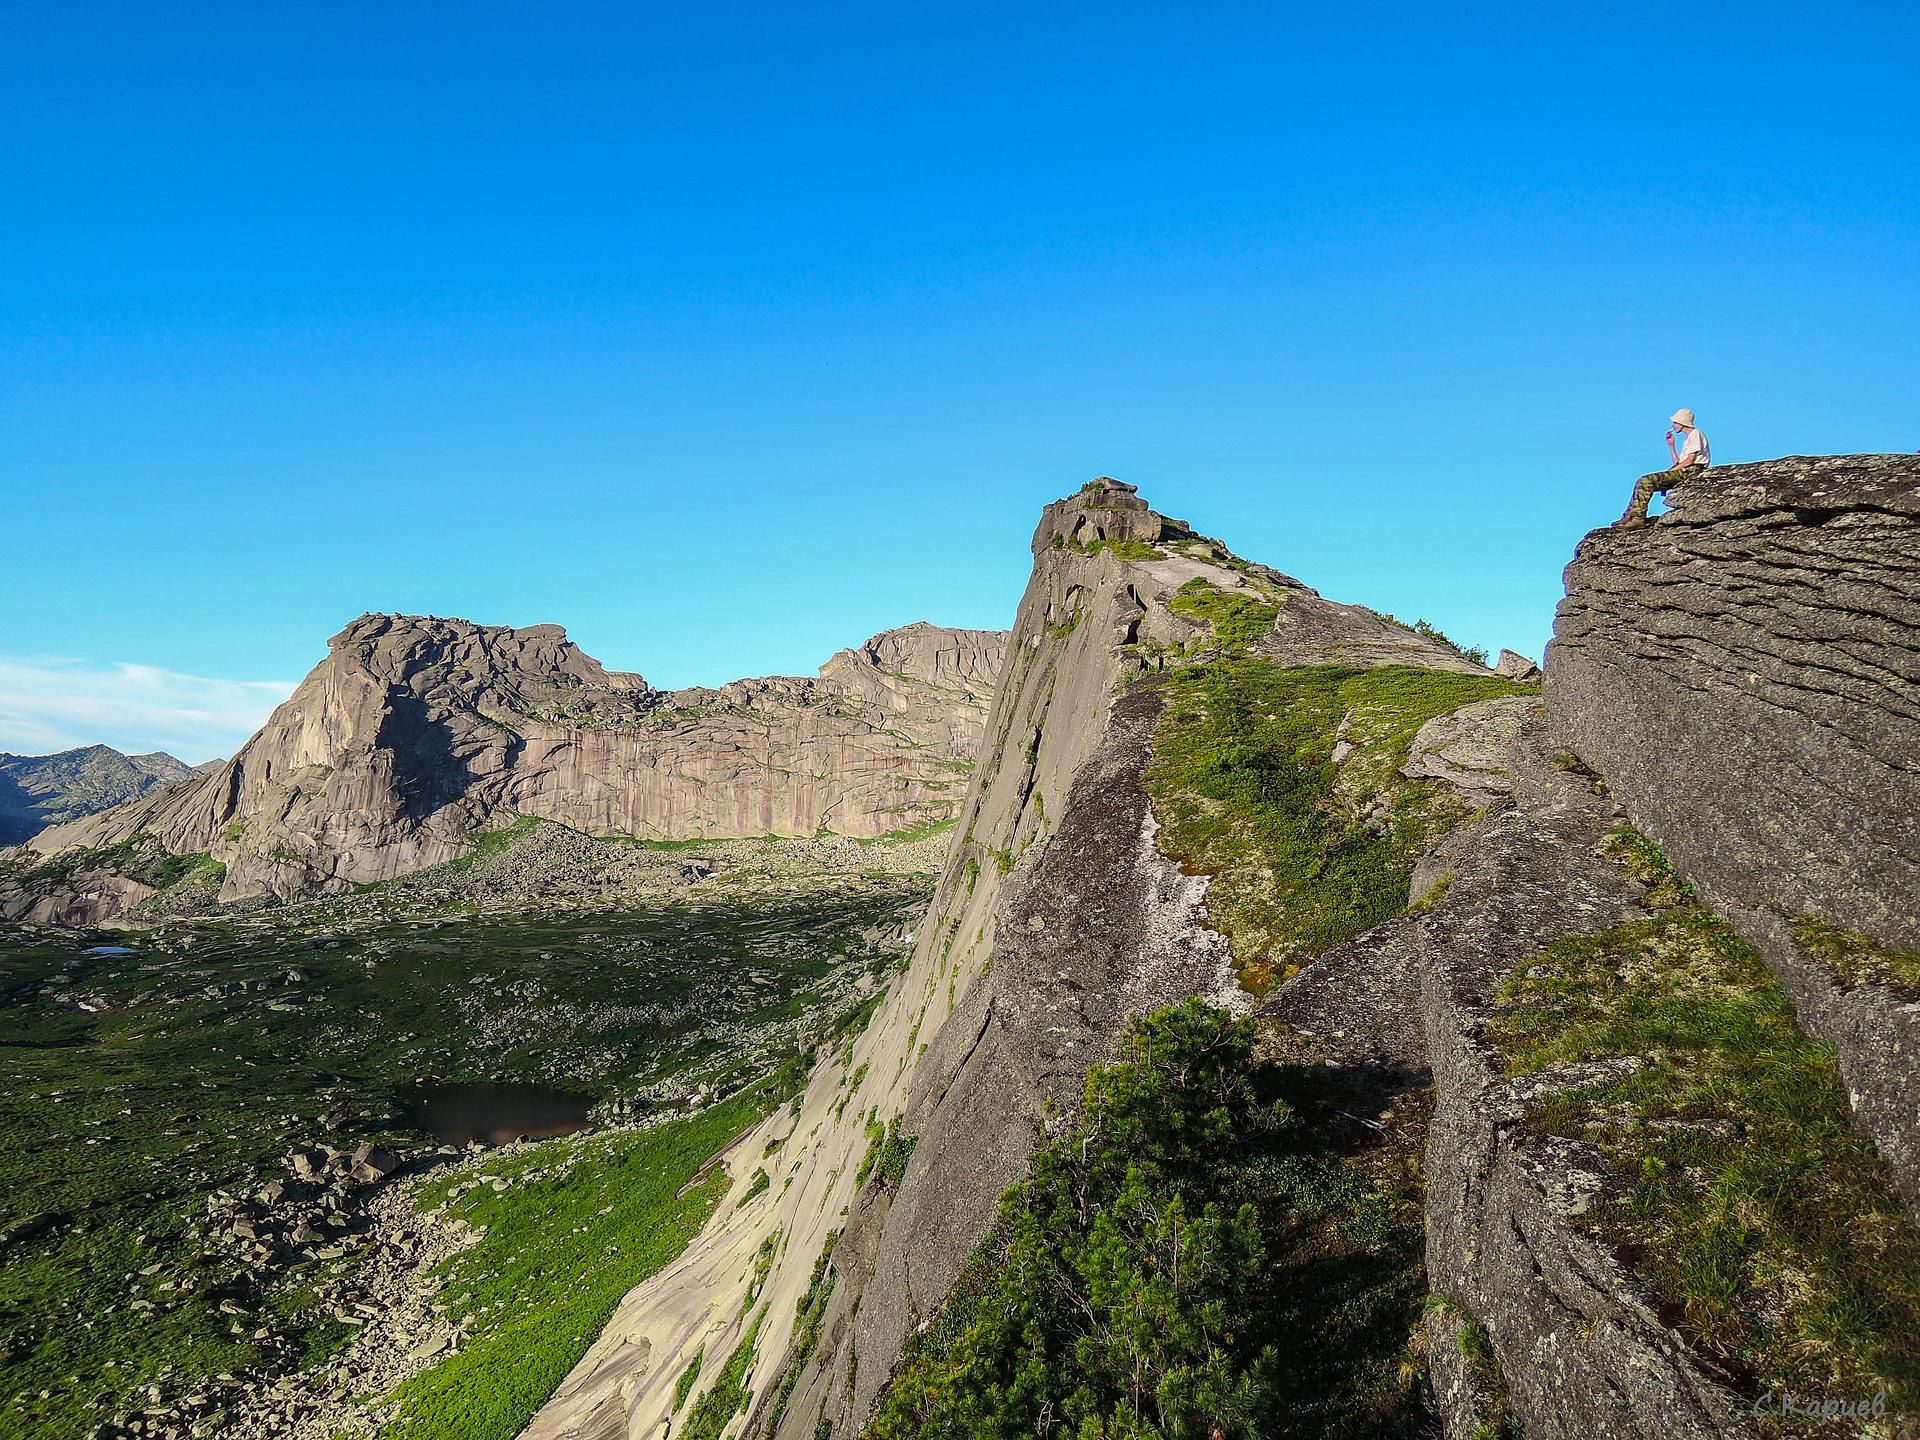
496,1114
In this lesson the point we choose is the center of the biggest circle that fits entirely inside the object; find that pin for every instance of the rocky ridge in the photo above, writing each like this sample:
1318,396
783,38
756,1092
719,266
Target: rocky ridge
1056,917
1746,674
415,736
37,791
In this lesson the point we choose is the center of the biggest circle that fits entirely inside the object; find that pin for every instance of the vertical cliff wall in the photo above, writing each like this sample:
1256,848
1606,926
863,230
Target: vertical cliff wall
1745,672
1736,681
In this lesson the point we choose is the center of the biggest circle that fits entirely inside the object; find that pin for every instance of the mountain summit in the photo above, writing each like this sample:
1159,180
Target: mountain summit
417,734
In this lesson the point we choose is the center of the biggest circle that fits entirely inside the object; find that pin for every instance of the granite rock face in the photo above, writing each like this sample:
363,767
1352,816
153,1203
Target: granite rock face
1468,749
1516,666
415,735
1745,672
1056,918
1584,1347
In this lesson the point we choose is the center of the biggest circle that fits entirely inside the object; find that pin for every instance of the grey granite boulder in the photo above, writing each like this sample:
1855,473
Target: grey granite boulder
1467,748
1516,666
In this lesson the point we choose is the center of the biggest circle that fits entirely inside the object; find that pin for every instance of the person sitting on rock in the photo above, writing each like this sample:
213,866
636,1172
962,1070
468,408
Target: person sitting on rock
1690,454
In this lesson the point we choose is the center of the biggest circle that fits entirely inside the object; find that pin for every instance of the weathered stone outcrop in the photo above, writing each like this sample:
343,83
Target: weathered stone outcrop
1741,675
1056,918
1583,1346
1745,672
416,735
1583,1349
80,901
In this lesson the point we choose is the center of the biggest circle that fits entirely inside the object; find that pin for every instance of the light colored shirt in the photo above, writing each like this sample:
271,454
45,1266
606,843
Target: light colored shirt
1693,450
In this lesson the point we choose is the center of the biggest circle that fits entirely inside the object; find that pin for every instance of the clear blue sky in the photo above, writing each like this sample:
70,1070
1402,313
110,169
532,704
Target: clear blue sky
728,335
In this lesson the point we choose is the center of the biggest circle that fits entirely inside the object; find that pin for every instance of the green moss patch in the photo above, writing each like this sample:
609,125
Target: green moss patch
497,842
887,1153
1238,618
729,1395
1860,959
689,1377
1191,1253
1496,1420
1123,549
1246,790
925,831
809,1313
1747,1200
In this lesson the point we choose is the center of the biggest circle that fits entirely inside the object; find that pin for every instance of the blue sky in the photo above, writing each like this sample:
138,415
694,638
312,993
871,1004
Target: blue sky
729,335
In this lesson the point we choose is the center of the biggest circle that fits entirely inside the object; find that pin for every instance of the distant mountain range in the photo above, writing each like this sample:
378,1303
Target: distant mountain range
41,790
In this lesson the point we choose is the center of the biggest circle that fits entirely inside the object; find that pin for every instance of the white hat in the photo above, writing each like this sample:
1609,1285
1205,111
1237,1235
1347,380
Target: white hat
1682,416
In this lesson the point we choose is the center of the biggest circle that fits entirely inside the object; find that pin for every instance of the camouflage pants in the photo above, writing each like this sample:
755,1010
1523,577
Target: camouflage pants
1645,488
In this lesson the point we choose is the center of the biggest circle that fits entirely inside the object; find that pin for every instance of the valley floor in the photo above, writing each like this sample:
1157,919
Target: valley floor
186,1243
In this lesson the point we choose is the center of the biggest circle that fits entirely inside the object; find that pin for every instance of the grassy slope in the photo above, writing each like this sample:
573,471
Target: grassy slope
559,1253
1748,1201
1860,959
1245,788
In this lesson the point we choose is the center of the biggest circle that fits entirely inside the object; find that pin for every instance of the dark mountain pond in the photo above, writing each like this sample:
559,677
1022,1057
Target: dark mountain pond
496,1114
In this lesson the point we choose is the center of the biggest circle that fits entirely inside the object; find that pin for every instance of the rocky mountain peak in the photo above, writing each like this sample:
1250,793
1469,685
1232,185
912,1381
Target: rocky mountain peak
503,662
416,734
963,661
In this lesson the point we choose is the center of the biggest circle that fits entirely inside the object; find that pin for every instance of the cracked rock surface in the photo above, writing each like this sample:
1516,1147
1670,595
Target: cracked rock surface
1745,671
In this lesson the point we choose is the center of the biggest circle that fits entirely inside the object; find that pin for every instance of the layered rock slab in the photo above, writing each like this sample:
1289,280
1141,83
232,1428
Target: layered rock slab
1745,672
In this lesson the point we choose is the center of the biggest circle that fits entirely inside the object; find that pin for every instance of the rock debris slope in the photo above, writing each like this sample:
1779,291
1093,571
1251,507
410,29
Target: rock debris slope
416,735
1057,916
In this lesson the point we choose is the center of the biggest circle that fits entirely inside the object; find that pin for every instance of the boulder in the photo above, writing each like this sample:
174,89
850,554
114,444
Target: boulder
1516,666
1467,749
373,1163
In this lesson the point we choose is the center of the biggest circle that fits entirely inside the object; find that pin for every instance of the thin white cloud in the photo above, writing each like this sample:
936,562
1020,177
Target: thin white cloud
48,703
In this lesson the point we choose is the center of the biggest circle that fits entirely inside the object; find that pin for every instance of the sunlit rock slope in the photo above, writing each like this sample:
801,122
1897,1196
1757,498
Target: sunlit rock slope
415,735
1056,918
